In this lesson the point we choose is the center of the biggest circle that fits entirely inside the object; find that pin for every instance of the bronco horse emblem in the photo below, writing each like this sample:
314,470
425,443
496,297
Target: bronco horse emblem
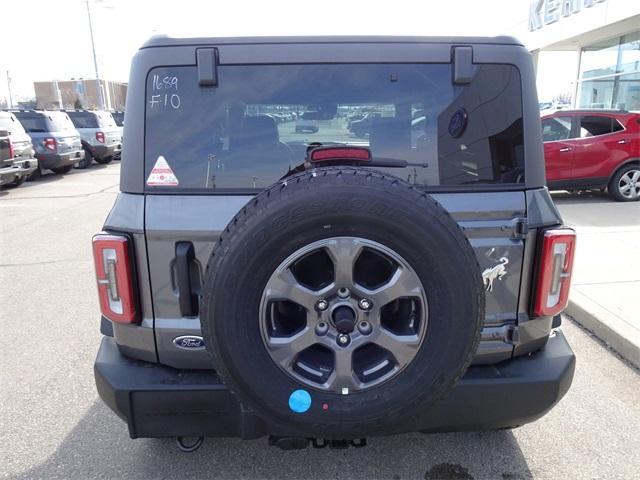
493,273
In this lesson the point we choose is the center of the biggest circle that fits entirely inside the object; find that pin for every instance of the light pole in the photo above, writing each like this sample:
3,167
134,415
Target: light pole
95,59
9,89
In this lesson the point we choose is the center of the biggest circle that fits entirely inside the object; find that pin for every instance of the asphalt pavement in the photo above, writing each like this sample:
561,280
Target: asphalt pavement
53,424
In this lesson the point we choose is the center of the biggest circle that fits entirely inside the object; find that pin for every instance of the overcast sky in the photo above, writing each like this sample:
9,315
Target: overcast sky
49,39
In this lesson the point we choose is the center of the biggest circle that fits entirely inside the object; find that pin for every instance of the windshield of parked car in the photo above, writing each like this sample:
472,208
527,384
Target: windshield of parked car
255,126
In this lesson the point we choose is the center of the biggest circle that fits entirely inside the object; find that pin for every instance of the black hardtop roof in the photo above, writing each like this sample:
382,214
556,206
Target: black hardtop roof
167,41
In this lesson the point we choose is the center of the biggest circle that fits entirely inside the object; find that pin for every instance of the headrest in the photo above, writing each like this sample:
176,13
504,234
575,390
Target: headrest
390,135
258,130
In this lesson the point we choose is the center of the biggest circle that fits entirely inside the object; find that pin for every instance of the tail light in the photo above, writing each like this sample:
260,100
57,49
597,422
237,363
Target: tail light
50,144
100,137
554,274
323,154
114,275
11,152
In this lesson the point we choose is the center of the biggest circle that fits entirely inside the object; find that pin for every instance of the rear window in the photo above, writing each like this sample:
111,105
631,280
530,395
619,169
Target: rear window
256,126
84,119
11,124
45,122
33,123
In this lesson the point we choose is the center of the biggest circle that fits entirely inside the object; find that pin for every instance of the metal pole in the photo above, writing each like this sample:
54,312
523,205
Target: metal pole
95,59
9,89
60,104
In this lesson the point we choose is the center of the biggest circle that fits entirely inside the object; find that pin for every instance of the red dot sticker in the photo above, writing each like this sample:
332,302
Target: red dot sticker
325,406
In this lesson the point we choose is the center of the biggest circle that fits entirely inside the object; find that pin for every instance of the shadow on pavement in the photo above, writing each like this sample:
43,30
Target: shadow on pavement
581,197
51,177
99,446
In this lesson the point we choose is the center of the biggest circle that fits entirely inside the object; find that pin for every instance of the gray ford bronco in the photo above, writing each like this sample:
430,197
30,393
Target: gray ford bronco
320,287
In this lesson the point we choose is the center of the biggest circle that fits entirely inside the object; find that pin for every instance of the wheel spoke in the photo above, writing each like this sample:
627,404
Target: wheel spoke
284,350
284,286
636,175
626,188
344,253
402,347
343,375
403,283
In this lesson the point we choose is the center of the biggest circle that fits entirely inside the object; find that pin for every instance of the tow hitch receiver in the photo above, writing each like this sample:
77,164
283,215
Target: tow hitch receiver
298,443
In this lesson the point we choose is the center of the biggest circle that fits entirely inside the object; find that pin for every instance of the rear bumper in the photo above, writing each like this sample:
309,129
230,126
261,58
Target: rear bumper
19,169
159,401
9,175
57,160
28,166
104,151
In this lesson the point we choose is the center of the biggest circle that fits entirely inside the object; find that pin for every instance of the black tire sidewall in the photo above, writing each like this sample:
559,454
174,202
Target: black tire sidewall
62,170
104,161
86,162
434,247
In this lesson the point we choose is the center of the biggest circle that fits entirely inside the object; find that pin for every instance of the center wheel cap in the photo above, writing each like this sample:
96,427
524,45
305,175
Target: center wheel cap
344,319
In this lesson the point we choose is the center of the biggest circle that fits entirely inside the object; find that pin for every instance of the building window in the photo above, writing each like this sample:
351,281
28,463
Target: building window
610,74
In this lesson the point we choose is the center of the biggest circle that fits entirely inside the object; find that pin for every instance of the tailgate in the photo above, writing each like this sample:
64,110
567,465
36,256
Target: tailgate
490,221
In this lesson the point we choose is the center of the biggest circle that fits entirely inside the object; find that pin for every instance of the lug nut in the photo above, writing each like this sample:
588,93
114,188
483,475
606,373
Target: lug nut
364,328
343,340
343,292
322,305
365,304
322,328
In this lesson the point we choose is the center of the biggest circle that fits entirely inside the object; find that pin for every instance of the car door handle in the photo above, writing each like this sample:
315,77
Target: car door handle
623,141
566,149
187,299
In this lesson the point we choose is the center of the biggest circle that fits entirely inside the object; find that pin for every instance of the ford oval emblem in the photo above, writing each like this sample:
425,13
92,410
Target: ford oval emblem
189,342
458,122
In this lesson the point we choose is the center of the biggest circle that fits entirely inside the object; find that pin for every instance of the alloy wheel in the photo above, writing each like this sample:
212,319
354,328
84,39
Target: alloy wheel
343,314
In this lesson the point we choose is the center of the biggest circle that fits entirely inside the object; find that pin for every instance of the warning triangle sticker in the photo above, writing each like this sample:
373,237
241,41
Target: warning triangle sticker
161,174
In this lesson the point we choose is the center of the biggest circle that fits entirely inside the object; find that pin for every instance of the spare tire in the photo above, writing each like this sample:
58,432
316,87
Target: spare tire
341,303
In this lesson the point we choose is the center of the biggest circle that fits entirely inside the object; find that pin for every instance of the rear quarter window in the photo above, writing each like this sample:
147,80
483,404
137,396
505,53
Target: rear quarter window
255,127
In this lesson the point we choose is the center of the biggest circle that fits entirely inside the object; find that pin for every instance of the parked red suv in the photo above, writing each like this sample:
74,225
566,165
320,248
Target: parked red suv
589,149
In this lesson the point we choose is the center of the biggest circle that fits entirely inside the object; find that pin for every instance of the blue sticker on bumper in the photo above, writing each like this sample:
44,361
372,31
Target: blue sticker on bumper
299,401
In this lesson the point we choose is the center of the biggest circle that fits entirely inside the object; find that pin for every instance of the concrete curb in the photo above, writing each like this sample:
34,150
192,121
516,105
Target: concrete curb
617,334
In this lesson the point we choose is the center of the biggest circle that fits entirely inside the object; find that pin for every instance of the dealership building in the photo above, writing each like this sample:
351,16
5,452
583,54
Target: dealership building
605,36
81,93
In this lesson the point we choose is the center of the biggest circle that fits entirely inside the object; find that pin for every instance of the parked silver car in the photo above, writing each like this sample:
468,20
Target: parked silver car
101,137
54,138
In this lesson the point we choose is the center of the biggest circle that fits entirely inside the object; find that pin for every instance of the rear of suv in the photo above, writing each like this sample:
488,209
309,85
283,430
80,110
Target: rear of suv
54,138
23,162
255,283
593,149
101,137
